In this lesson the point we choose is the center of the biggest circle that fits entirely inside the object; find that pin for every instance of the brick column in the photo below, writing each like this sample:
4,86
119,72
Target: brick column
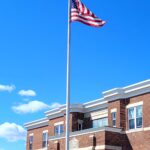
92,140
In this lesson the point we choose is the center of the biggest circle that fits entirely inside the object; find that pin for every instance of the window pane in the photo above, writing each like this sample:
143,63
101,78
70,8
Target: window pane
131,113
30,142
94,124
131,124
139,111
139,122
45,136
56,129
61,128
99,123
113,115
31,139
44,144
105,121
114,123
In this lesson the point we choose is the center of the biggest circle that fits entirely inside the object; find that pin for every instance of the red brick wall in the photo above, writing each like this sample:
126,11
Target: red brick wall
117,139
146,108
112,105
139,140
37,137
96,139
52,122
84,141
74,122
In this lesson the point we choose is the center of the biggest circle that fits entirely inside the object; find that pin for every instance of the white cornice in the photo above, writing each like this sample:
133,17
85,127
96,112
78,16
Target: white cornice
95,105
36,123
128,91
62,110
98,104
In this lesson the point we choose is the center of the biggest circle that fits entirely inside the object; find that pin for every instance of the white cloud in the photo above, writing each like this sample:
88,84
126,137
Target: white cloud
12,132
54,105
8,88
30,107
33,106
27,93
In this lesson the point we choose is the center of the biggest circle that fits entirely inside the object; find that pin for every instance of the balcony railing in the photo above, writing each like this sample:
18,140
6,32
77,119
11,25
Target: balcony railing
87,131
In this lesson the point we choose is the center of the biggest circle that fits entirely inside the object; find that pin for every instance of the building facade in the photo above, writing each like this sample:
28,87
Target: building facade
120,120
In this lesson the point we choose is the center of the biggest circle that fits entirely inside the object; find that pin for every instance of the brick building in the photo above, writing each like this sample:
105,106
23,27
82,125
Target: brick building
120,120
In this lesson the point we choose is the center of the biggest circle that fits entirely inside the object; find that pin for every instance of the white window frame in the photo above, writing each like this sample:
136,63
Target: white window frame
59,129
31,135
114,119
134,107
46,131
98,120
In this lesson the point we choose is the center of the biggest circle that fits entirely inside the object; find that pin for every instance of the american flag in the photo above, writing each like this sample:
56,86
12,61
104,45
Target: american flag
79,12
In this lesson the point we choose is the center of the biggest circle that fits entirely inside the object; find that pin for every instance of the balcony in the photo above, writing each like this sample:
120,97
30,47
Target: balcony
93,138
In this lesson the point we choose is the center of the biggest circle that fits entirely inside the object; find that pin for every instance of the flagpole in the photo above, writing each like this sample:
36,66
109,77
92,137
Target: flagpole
68,79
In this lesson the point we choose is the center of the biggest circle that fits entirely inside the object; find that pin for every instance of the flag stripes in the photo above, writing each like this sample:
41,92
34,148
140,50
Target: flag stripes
79,12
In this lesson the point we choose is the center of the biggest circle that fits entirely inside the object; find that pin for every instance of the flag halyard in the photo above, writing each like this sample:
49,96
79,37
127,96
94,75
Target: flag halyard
79,12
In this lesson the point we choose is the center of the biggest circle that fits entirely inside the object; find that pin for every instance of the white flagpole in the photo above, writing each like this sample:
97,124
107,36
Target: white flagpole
68,79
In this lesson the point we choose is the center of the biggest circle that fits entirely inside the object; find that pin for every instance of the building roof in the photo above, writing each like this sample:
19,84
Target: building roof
102,103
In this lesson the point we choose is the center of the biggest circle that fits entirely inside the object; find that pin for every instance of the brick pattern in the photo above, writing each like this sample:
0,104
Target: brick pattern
123,113
139,140
74,120
84,141
37,137
117,139
146,105
52,127
112,105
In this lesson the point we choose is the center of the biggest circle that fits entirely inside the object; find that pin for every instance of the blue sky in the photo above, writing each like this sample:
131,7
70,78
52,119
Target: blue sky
33,57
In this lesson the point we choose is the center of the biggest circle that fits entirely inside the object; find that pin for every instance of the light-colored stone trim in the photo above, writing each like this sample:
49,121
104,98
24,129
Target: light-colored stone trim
89,131
58,123
113,110
43,148
147,129
128,91
100,147
37,123
94,103
45,131
55,142
91,136
97,114
31,134
138,130
135,104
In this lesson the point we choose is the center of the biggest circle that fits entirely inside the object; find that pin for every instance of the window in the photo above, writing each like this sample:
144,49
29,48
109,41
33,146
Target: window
59,129
135,117
30,142
100,122
45,139
113,114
